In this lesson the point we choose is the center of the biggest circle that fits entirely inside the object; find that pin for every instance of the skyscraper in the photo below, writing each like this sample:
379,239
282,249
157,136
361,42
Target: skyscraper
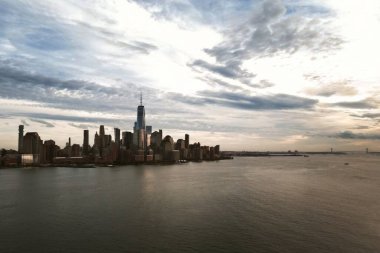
187,140
20,138
139,131
140,115
117,136
127,139
86,145
32,143
50,151
101,130
101,140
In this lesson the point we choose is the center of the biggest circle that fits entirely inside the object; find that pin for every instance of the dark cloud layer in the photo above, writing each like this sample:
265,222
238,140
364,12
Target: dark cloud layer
68,94
353,136
247,102
368,115
362,104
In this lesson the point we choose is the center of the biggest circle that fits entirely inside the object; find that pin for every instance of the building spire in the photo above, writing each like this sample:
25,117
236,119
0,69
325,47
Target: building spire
141,103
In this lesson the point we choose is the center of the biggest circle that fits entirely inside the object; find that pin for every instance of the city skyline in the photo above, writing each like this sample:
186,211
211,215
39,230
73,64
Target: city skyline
140,146
249,75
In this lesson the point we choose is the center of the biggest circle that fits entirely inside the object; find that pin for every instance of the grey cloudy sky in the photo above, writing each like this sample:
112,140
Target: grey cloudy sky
246,74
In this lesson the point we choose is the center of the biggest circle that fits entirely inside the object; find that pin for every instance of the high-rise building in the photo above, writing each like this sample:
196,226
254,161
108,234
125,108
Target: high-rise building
117,144
68,144
148,135
167,146
127,140
140,116
187,140
32,143
75,150
141,141
180,144
101,140
101,130
155,141
217,149
50,151
20,138
86,145
107,140
117,136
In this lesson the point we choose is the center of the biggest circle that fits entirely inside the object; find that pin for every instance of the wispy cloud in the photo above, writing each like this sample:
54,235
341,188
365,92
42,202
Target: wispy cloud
229,70
340,88
43,122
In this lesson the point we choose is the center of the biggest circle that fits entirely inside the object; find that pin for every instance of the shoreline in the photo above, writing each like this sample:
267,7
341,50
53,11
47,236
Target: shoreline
95,165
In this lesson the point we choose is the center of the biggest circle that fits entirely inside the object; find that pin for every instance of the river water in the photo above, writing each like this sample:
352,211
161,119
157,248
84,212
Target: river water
262,204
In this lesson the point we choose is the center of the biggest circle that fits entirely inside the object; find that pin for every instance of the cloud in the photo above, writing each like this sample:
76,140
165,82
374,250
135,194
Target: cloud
263,84
340,88
190,12
353,136
229,70
45,123
271,30
247,102
68,94
367,115
83,126
362,104
66,118
135,46
217,83
361,127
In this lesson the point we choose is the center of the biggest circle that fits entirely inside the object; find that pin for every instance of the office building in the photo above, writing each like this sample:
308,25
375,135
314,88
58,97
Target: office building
140,116
86,145
50,151
187,141
117,136
20,138
128,140
32,145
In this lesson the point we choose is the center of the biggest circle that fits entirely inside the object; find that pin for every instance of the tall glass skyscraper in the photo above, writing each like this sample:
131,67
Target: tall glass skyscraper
140,116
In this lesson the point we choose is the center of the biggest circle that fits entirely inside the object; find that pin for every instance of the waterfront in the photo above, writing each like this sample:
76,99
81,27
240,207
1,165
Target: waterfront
267,204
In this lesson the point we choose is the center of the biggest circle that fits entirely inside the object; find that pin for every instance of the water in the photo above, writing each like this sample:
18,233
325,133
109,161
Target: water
279,204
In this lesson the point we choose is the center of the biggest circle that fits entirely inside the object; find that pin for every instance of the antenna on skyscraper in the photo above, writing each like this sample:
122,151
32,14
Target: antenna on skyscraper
141,98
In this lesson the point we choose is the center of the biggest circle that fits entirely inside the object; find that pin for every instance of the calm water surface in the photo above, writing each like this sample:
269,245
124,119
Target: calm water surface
282,204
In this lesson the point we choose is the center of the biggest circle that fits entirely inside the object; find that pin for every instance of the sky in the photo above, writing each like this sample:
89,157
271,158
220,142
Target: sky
249,75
